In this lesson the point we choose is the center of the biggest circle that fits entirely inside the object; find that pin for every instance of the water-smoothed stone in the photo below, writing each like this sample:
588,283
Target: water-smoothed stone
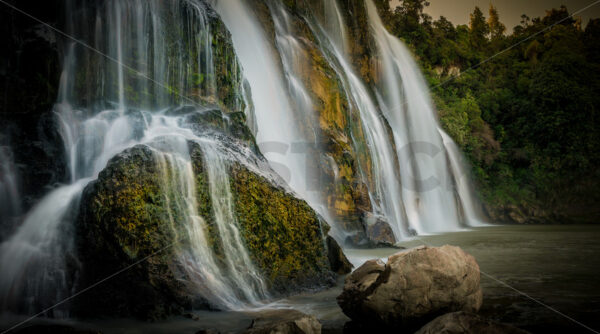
378,231
412,288
124,219
284,322
125,222
467,323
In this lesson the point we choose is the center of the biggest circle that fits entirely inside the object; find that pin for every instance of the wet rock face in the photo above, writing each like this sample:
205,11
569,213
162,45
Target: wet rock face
125,219
413,287
122,221
467,323
283,234
337,259
378,231
284,322
29,76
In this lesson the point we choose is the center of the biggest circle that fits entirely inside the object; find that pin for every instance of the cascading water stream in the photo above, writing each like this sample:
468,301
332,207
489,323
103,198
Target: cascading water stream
431,185
237,284
419,184
386,190
404,100
115,109
281,105
413,184
471,207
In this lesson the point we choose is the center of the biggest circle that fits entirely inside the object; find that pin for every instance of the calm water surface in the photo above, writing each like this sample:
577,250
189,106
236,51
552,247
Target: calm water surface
522,268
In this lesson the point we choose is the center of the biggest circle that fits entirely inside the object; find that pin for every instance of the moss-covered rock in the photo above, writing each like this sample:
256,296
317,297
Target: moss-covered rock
125,223
123,220
283,234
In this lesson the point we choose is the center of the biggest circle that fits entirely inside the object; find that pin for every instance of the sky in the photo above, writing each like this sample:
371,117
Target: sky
457,11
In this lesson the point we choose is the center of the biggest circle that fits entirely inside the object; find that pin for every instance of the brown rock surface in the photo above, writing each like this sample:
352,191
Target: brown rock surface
414,287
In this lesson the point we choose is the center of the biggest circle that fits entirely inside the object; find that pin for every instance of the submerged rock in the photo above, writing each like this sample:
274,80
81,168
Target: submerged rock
284,322
413,287
467,323
129,220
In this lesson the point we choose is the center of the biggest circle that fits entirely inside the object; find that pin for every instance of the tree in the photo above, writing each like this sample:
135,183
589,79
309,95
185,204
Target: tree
445,27
591,39
410,14
554,16
478,29
525,20
497,29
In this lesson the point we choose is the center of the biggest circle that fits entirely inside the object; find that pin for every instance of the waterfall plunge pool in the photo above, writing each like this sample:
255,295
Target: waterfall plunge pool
558,265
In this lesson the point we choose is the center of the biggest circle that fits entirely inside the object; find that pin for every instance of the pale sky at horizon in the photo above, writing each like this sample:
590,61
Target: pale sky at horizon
457,11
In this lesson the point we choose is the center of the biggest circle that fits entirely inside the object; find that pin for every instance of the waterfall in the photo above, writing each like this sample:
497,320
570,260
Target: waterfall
156,58
281,106
386,190
239,270
431,184
238,283
418,182
112,101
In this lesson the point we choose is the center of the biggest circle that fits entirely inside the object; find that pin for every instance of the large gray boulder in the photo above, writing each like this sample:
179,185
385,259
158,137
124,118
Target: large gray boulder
414,287
467,323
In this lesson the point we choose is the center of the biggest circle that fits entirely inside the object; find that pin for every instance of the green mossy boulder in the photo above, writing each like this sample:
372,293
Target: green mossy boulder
124,223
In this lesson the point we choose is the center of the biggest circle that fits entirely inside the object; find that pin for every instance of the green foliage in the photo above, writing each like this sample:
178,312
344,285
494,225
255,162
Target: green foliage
478,29
497,29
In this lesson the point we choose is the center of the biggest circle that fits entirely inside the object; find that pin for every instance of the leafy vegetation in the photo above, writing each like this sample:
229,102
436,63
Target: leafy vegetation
522,105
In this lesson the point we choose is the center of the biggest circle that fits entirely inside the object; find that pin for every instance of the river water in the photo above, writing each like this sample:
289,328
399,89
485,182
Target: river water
557,265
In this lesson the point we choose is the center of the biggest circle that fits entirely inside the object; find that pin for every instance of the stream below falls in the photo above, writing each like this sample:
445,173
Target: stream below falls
557,265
